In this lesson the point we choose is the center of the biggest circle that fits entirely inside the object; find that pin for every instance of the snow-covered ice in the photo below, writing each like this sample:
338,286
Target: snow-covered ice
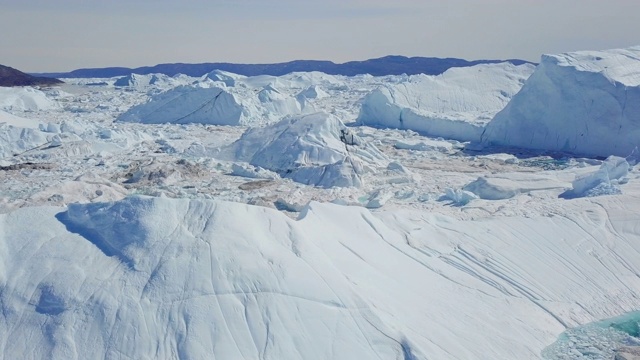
455,105
115,278
188,104
604,181
25,99
585,102
17,121
152,81
138,220
315,149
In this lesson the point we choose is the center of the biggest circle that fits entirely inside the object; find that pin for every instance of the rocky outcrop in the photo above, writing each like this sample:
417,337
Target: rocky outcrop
12,77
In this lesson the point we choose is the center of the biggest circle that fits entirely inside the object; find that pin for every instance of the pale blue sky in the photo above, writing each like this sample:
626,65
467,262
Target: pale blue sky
61,35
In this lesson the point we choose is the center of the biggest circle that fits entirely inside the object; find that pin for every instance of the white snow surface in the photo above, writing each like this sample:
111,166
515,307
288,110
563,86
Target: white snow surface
585,102
214,105
307,149
160,81
162,278
456,104
17,121
188,104
313,92
225,77
25,99
274,239
612,172
223,98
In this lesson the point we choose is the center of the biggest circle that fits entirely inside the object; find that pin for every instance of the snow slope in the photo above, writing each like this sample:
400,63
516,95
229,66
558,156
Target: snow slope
160,81
585,102
17,121
225,77
454,105
161,278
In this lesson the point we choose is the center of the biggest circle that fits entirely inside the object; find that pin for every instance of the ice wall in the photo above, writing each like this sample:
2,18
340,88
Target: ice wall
585,102
454,105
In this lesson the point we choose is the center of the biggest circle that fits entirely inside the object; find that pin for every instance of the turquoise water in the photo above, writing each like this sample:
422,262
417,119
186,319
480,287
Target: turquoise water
596,340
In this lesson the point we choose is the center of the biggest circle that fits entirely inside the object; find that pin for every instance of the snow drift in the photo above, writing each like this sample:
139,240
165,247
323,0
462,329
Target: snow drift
454,105
585,102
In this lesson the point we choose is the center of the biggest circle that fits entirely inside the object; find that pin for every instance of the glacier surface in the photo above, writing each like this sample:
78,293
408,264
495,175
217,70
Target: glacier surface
177,278
296,232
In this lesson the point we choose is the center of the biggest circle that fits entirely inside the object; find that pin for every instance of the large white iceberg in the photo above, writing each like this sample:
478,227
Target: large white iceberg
18,121
188,104
25,99
315,149
456,104
143,82
585,102
206,104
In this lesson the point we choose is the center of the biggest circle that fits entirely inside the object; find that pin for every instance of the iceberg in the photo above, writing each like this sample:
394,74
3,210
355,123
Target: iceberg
454,105
585,102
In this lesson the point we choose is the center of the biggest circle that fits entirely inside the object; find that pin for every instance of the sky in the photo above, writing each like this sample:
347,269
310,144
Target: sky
63,35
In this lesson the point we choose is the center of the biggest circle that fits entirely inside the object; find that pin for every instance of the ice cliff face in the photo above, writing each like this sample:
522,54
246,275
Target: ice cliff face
585,102
454,105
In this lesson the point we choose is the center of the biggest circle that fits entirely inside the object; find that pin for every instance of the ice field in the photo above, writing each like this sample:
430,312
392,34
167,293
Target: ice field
490,212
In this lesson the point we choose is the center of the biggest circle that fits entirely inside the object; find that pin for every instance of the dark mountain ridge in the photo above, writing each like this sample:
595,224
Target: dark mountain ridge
12,77
388,65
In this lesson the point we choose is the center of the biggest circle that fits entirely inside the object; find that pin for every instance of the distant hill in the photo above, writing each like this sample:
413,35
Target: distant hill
388,65
12,77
